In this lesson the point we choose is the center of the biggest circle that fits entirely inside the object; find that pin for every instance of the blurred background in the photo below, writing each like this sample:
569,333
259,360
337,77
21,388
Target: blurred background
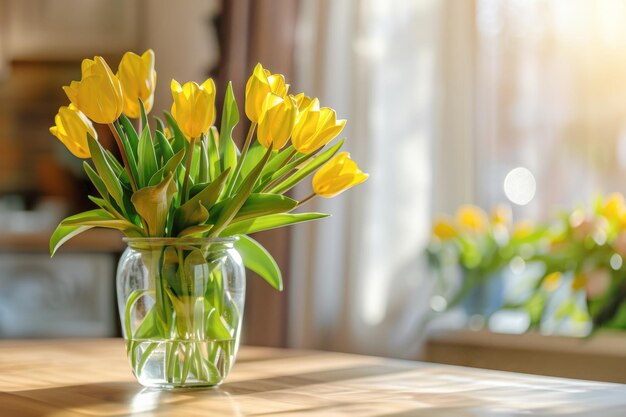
512,105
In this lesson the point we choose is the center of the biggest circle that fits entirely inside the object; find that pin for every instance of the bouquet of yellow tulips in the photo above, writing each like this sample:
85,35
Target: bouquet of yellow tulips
188,179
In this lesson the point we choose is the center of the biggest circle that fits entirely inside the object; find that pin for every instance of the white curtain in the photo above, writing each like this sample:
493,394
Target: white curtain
359,280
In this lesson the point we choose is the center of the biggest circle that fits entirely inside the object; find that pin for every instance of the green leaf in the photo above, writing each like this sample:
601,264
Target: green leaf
144,118
277,160
272,221
179,141
96,181
270,177
203,170
63,233
130,142
234,204
153,204
230,117
119,170
105,171
258,205
307,169
115,164
258,259
166,149
254,155
102,218
195,230
147,158
170,167
131,134
189,215
213,155
160,127
210,193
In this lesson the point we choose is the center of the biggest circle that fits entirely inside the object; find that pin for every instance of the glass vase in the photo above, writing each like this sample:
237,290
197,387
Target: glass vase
181,304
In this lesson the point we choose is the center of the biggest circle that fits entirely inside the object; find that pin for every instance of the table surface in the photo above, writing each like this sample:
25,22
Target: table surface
92,378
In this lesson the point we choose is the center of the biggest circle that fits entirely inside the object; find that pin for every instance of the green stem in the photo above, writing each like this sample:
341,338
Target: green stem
307,199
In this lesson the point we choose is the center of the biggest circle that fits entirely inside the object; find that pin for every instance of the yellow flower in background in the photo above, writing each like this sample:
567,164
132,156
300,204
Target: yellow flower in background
138,78
614,207
99,93
552,281
71,128
278,117
315,127
471,218
193,107
523,229
339,174
302,100
259,85
444,229
501,215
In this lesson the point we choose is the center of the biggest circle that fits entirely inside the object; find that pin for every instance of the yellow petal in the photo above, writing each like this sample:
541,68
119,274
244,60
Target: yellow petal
71,128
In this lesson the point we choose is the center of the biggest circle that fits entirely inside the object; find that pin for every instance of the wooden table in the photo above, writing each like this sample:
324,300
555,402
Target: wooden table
92,378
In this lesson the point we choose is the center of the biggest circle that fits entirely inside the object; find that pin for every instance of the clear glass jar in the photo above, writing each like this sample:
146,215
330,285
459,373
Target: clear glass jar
181,304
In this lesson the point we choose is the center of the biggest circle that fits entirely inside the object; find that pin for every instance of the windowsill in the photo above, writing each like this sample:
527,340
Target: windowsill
601,357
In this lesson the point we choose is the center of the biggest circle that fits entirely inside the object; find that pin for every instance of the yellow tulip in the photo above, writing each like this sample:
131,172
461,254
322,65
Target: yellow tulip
471,218
99,93
315,127
278,116
302,100
138,78
194,107
444,229
259,85
71,128
339,174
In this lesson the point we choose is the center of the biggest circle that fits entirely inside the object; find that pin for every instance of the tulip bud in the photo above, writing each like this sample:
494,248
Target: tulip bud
315,127
138,79
259,85
278,116
339,174
194,107
99,93
71,128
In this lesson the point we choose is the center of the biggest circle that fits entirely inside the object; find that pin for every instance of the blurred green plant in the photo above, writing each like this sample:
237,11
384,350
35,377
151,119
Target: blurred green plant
579,254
